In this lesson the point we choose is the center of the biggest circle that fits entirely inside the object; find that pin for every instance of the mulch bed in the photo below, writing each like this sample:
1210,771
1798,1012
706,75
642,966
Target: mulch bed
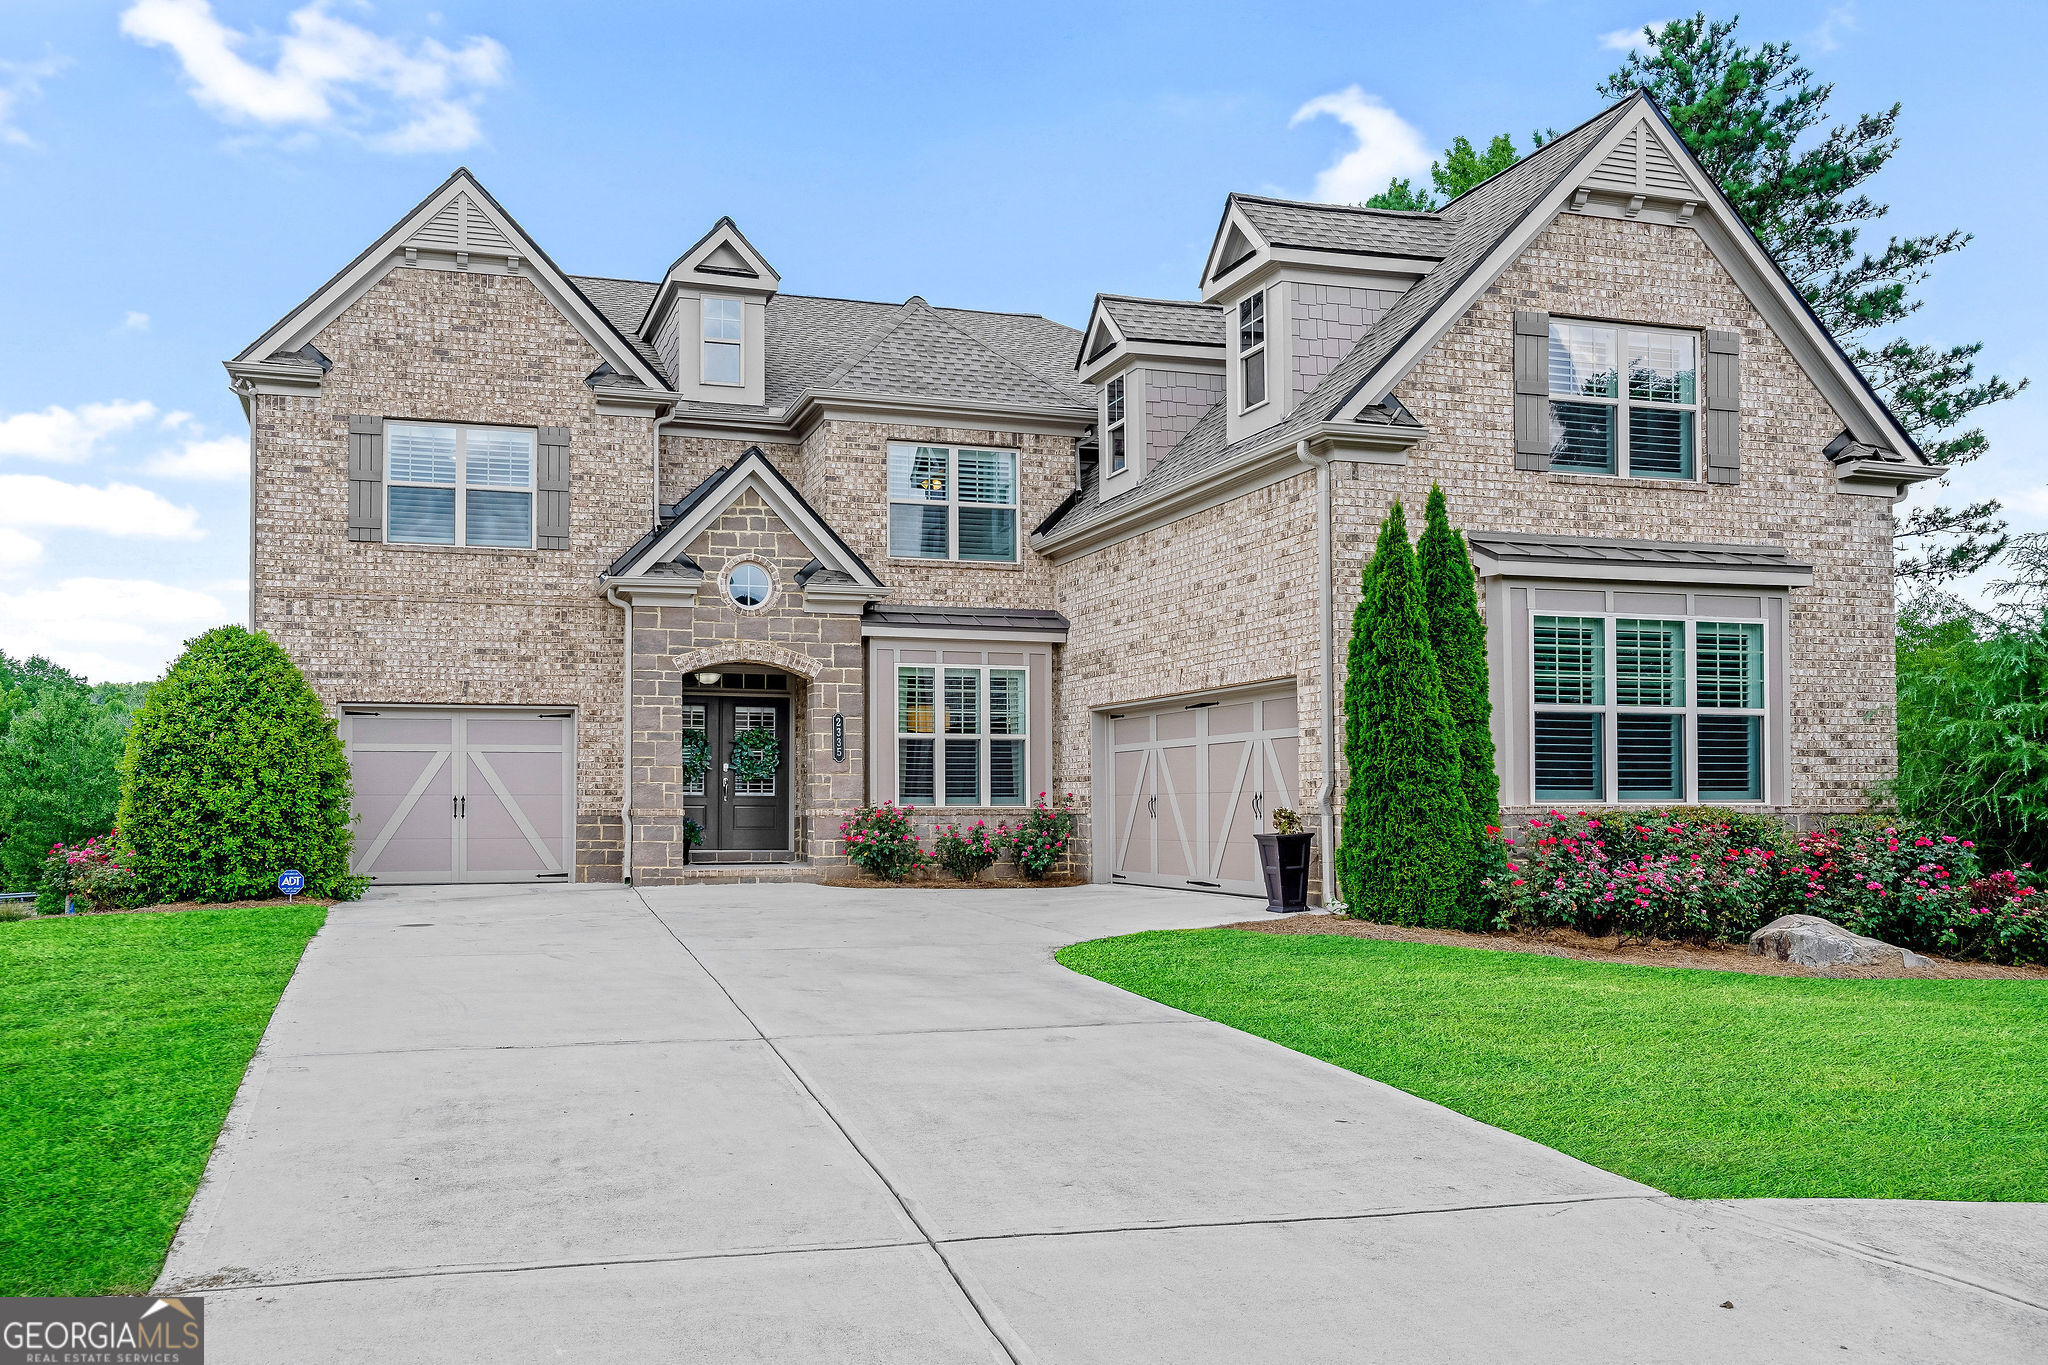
175,907
1717,957
943,883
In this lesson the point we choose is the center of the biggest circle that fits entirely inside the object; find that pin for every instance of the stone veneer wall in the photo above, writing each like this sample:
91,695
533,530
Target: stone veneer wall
821,651
439,625
1174,401
1328,319
1193,605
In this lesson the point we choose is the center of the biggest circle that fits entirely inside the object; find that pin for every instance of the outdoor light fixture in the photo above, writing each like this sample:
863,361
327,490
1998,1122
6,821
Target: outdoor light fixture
708,679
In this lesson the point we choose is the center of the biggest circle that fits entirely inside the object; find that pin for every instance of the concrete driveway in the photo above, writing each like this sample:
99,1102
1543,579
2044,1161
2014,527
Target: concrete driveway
790,1123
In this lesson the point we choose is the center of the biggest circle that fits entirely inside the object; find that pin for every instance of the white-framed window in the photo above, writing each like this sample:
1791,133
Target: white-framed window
724,330
960,736
953,502
1251,349
1623,400
1658,711
748,584
1114,446
458,485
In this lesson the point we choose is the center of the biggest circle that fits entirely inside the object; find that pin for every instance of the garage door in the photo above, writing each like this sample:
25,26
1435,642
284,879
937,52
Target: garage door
1194,782
472,794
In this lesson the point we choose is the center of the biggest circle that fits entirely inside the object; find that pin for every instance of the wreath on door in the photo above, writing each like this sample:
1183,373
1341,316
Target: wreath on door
755,754
696,756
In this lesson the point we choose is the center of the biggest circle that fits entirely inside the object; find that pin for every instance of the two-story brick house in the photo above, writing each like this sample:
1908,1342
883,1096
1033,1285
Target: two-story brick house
578,560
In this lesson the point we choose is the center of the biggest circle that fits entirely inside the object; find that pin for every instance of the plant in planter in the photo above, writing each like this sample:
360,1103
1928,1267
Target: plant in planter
755,755
1039,843
1283,858
970,852
693,835
881,842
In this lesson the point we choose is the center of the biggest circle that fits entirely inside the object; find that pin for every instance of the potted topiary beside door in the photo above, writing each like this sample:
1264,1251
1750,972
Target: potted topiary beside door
1284,858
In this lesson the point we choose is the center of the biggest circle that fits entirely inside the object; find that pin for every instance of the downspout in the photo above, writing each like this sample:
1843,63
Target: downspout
1326,793
655,520
611,595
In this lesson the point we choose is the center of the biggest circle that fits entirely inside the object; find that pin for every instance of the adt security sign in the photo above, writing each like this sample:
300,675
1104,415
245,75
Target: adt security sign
291,883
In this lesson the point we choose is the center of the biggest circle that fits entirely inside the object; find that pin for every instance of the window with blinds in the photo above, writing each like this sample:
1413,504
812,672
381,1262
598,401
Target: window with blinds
1617,713
960,736
949,502
450,485
1624,400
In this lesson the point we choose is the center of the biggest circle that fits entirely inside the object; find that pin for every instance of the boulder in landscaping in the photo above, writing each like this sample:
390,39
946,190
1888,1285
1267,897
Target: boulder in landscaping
1815,942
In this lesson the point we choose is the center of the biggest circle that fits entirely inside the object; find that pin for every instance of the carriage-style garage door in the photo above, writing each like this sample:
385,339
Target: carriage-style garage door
468,794
1194,782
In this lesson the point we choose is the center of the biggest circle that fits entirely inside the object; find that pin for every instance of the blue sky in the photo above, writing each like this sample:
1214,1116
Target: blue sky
175,175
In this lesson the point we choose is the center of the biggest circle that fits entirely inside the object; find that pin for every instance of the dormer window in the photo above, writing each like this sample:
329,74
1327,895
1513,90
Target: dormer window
1251,349
723,328
1115,443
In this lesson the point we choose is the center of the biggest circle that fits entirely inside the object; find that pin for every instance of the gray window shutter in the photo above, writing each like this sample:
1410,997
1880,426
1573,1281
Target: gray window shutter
1532,390
551,510
1723,406
366,478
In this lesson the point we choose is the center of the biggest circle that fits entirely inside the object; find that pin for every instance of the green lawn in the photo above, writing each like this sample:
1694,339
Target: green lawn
1708,1085
122,1040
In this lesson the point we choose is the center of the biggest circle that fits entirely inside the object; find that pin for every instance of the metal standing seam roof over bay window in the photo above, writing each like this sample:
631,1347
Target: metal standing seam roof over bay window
1670,561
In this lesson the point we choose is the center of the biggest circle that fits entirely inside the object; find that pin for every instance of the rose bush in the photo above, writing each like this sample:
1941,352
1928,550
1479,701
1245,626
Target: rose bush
967,853
881,842
1039,843
93,874
1700,875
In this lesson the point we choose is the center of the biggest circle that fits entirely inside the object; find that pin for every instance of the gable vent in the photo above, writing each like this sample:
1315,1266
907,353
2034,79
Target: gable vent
461,225
443,230
1640,164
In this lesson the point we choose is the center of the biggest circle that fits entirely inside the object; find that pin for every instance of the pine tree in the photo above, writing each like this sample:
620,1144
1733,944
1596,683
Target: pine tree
1458,636
1407,847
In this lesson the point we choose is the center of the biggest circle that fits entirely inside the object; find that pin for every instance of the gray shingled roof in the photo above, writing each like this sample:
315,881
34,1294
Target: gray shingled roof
623,303
1181,322
1339,227
964,618
1483,216
1020,357
1563,550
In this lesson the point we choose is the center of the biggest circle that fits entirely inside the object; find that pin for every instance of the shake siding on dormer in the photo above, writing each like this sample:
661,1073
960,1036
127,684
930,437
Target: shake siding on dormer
1325,322
1174,401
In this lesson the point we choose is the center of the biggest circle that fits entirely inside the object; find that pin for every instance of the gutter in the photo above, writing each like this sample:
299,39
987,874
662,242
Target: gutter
1326,792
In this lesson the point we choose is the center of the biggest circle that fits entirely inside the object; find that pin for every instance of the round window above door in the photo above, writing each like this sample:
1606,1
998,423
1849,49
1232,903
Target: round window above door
748,584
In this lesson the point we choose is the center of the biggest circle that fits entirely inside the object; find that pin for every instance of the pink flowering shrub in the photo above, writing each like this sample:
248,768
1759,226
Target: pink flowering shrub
1039,844
967,853
1695,875
881,842
93,874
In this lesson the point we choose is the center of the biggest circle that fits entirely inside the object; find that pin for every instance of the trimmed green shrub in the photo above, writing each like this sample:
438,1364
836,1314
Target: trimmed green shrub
1458,637
1409,836
233,774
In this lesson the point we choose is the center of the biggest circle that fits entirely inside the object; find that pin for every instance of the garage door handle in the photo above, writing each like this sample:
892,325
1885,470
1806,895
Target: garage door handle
1258,804
459,805
1152,807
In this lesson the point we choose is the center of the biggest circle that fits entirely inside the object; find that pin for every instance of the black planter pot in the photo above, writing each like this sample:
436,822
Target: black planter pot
1284,860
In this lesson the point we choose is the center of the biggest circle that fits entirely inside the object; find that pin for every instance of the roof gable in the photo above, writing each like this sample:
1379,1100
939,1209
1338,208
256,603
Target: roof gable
752,472
458,227
722,260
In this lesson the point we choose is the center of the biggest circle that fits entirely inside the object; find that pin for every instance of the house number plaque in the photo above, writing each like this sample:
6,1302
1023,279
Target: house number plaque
838,738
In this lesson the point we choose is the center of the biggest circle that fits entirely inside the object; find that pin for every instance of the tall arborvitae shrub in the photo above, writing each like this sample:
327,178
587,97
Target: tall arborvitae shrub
234,774
1458,636
1407,849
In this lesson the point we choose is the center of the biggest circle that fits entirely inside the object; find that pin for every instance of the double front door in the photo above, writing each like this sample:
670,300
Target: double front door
740,812
1194,783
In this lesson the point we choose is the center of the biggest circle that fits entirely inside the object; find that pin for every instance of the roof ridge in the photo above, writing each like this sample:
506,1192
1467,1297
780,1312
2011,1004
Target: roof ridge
1177,303
903,319
1327,207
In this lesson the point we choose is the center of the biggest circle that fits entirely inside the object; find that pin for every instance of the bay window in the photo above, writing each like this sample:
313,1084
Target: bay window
1623,400
960,736
1629,709
953,502
458,485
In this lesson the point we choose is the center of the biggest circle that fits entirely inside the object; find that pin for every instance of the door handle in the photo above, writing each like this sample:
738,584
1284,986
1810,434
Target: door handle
1258,805
458,806
1152,807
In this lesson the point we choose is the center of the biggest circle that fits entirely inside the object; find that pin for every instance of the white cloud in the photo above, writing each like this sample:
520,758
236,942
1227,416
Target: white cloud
20,82
110,629
134,322
1388,146
115,509
17,551
1630,39
1840,19
174,419
328,73
69,434
221,457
